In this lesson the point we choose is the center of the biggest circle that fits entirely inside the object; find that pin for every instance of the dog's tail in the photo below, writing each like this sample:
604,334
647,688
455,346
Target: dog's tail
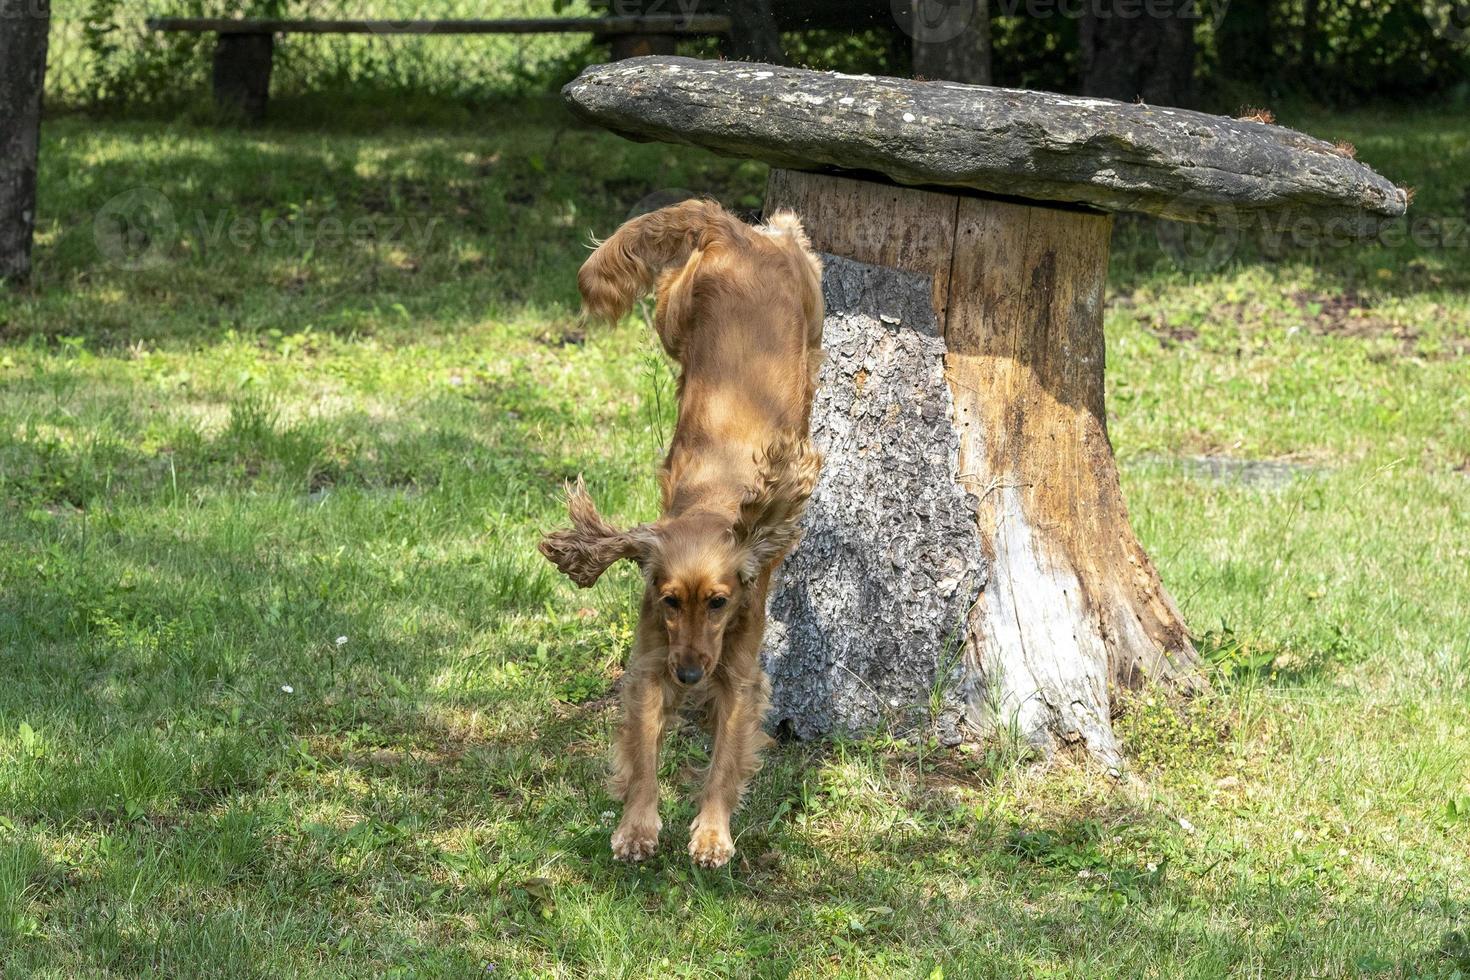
627,265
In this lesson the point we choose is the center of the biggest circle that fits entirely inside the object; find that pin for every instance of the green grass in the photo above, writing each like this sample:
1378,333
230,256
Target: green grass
286,691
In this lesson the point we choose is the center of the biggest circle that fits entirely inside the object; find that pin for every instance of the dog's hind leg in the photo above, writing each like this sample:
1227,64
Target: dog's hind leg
646,709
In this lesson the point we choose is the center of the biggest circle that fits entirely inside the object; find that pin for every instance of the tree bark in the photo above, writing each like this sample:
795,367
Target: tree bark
951,39
23,34
867,625
968,557
1139,51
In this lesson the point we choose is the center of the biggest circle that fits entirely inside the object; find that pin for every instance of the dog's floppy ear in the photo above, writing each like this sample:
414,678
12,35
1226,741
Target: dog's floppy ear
586,549
770,514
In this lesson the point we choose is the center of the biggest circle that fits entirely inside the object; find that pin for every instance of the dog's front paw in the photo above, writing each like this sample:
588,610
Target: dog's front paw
635,839
709,844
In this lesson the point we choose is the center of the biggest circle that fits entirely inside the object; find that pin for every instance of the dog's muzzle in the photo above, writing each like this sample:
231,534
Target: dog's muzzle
689,675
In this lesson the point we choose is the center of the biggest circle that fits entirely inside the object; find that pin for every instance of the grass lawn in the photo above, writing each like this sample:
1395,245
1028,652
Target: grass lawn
285,689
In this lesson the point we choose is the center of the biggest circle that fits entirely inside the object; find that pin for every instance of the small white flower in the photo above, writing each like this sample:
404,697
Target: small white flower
1152,866
606,816
287,689
1188,827
341,641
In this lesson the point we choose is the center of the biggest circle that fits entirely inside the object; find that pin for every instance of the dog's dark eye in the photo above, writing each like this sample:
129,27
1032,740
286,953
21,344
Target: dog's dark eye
718,602
672,601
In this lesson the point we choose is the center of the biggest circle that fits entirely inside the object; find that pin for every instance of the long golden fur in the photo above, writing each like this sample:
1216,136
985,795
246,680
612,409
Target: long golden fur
740,309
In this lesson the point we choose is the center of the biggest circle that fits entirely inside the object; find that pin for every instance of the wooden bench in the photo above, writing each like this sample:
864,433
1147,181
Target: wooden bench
244,48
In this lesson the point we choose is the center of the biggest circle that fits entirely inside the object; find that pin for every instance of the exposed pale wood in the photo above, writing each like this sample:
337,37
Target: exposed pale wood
1071,606
1075,605
1041,146
647,24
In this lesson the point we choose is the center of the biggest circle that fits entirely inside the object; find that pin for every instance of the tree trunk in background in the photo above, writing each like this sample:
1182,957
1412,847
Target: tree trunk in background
23,30
753,32
1134,51
1310,47
1245,42
951,39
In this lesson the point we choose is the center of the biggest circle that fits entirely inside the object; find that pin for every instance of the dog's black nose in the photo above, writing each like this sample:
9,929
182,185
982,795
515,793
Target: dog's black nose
689,675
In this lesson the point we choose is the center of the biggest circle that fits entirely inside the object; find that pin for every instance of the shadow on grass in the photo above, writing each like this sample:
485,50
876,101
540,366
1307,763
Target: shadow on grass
189,232
176,638
1003,899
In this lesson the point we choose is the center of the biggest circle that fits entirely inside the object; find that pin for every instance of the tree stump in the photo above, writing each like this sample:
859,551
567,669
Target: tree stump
968,558
1060,602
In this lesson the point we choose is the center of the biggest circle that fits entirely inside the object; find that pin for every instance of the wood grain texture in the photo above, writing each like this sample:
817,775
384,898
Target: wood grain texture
1076,606
1115,156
